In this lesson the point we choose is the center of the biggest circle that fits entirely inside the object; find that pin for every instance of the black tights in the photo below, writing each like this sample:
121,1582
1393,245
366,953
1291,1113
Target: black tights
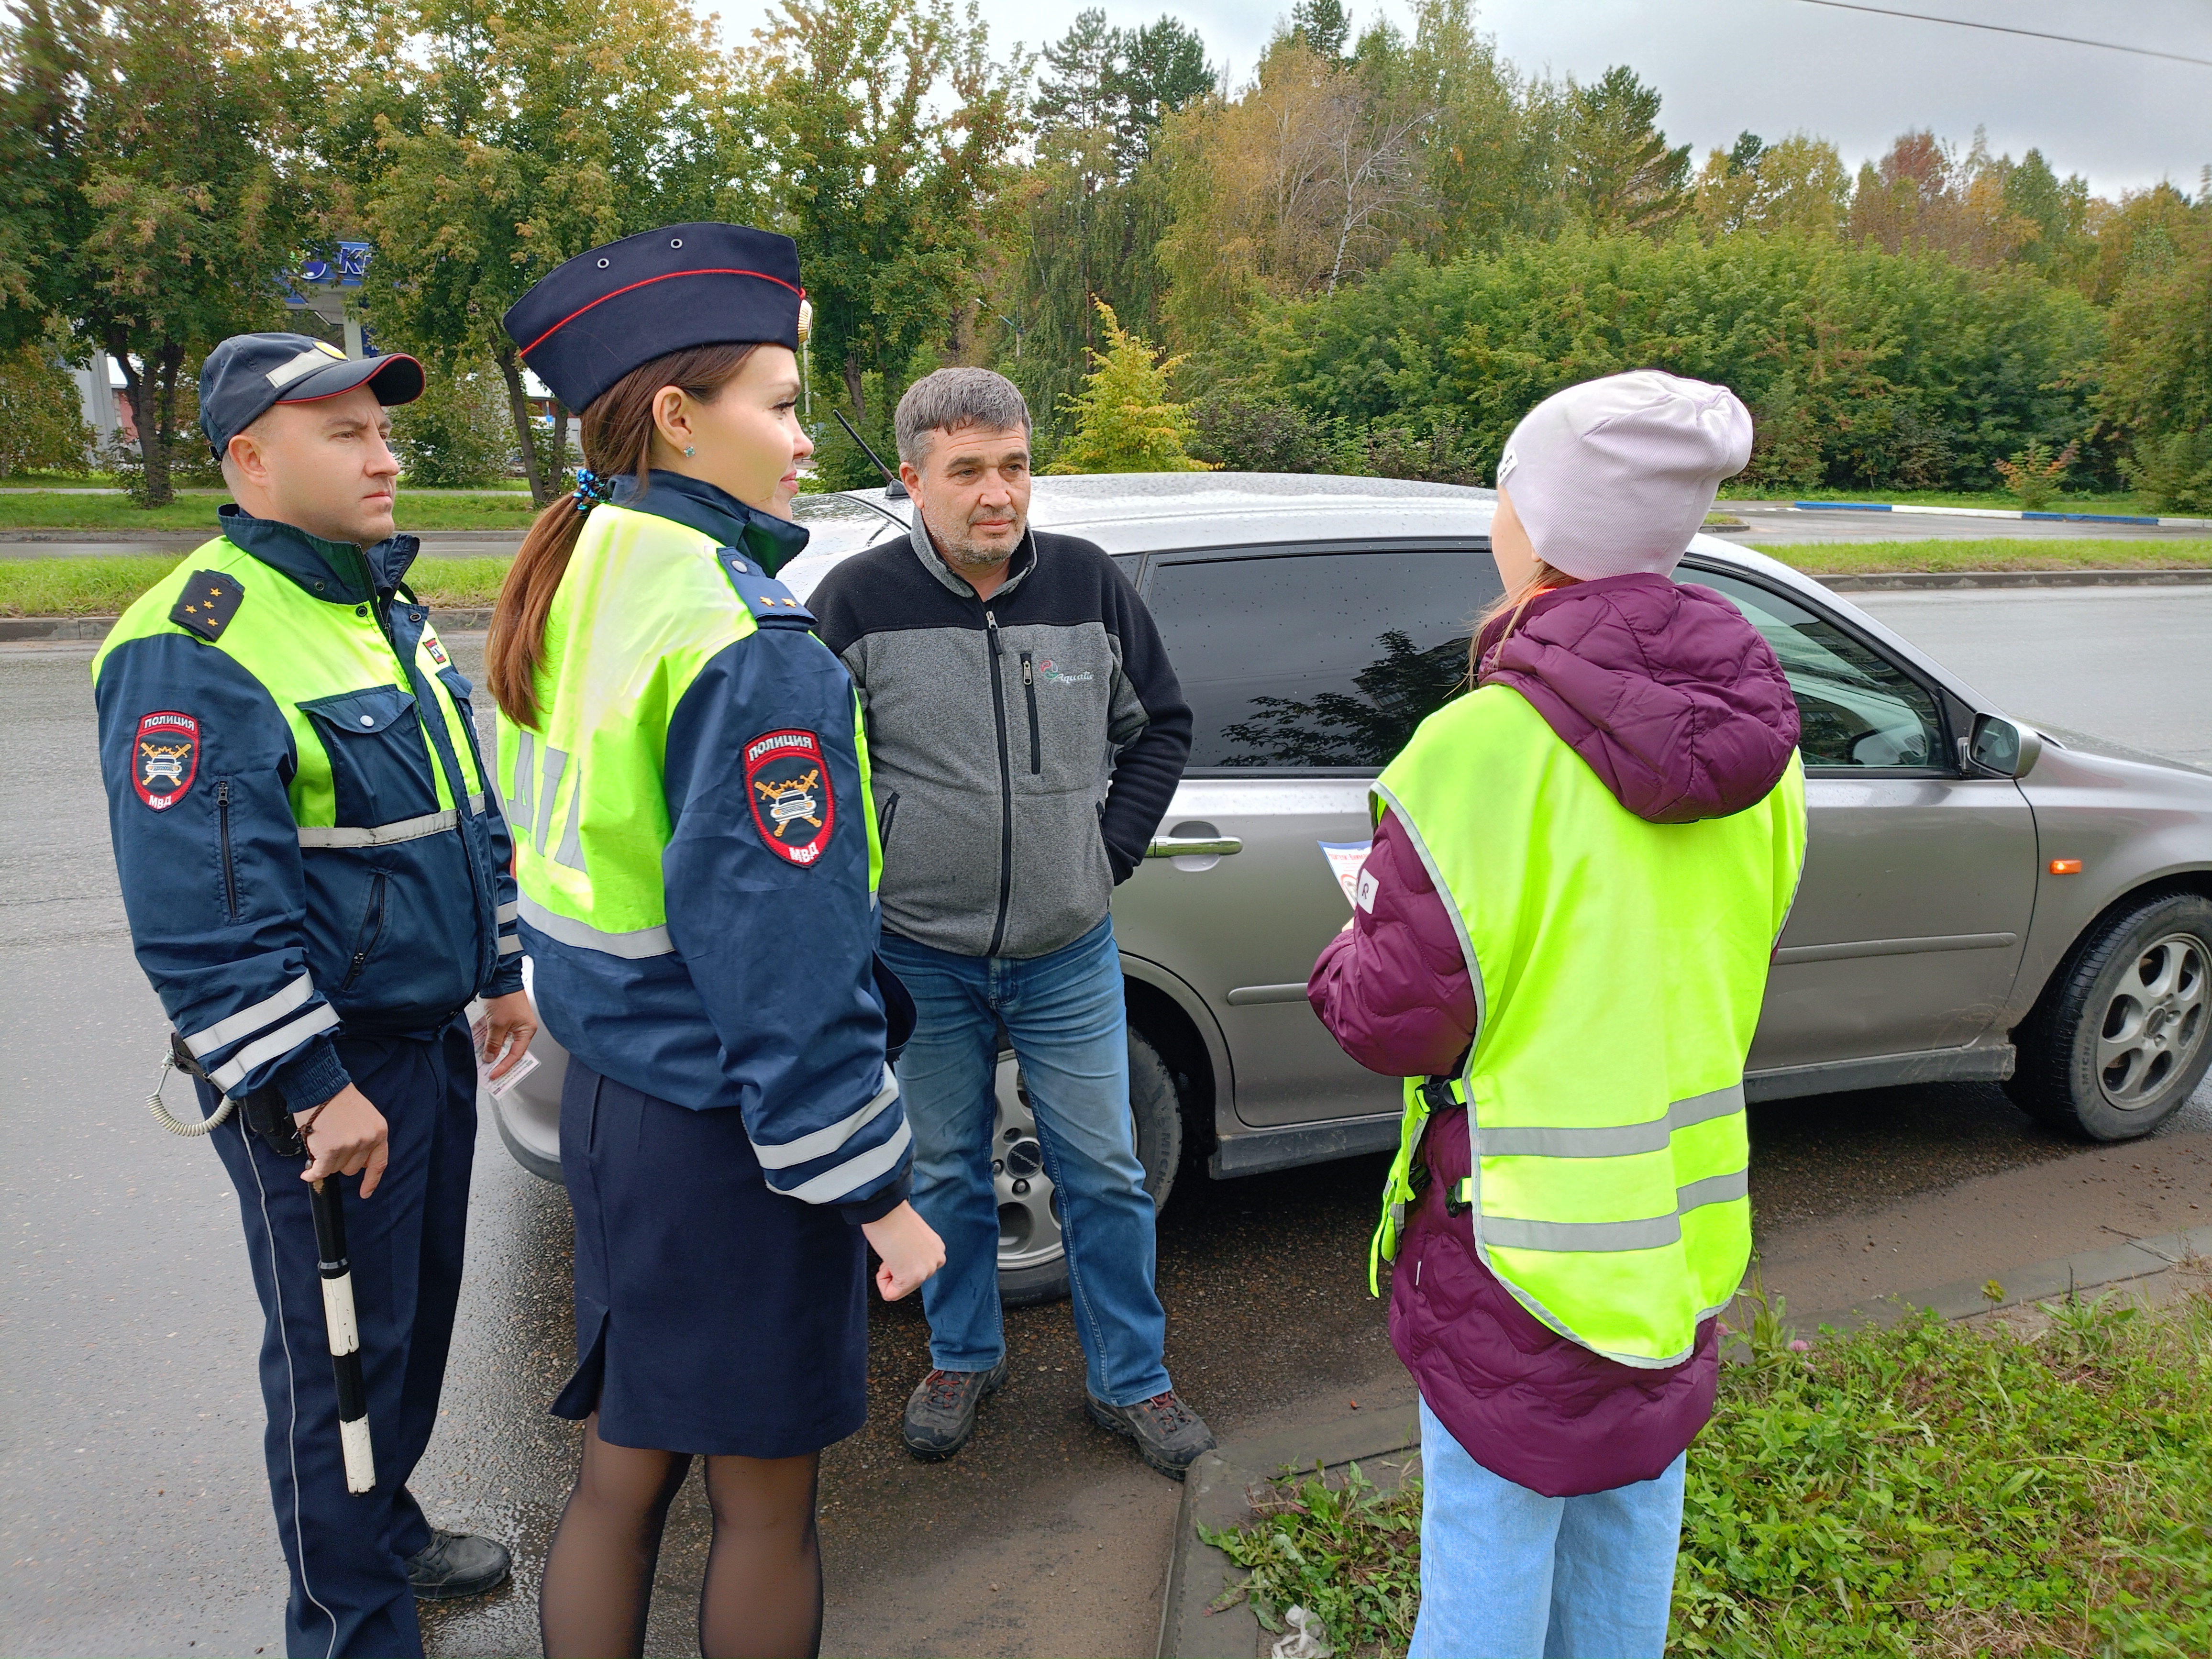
763,1595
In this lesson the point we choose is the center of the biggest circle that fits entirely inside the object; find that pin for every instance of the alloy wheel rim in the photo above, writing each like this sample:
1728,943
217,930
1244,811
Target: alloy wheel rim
2155,1021
1029,1212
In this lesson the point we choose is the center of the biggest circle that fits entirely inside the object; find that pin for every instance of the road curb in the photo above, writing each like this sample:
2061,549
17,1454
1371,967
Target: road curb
25,630
2039,515
2041,1281
1214,1495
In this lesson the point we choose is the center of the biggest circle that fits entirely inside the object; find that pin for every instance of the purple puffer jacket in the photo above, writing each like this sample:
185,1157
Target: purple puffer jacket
1680,708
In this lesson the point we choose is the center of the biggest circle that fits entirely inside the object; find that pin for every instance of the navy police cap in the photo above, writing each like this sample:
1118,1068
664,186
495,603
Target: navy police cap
249,373
591,320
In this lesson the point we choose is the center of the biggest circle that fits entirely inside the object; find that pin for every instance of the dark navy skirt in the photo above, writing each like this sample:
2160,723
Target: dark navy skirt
714,1315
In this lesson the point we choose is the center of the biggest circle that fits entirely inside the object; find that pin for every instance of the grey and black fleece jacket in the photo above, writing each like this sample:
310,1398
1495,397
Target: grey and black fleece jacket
1022,749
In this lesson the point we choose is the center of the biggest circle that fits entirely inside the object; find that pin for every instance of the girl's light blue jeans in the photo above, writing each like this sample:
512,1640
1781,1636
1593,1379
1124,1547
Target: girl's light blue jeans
1508,1573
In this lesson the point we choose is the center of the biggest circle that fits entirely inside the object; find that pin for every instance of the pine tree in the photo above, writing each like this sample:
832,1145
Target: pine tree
1125,421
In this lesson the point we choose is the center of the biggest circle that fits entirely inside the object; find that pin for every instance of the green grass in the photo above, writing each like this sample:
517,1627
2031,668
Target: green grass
105,586
2045,553
2087,500
422,509
1930,1489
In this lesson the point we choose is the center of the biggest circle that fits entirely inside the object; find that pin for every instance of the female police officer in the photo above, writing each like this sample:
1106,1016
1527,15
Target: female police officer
696,855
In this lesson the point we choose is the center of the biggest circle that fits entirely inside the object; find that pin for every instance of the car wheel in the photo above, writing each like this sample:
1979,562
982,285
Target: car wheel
2122,1034
1032,1255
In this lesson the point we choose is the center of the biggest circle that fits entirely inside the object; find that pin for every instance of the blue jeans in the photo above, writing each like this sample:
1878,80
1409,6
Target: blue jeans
1064,1012
1508,1573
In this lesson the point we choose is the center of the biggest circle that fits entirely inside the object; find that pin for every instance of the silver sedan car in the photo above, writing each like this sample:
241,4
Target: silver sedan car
1983,897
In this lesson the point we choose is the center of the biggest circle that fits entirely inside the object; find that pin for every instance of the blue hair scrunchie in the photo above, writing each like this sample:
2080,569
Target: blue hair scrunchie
590,488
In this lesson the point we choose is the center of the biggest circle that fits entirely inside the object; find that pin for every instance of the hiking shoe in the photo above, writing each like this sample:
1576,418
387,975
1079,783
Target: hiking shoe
1169,1436
940,1413
457,1564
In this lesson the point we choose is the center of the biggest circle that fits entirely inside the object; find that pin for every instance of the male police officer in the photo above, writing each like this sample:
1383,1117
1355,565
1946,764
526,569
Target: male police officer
316,876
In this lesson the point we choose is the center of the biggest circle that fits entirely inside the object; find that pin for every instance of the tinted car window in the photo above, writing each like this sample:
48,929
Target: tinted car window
1857,707
1319,659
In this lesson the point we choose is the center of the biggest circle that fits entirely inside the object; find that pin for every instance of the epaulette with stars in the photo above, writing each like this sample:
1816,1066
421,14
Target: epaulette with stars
209,601
768,600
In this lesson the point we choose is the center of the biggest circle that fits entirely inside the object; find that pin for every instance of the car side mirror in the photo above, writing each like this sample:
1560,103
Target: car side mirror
2001,747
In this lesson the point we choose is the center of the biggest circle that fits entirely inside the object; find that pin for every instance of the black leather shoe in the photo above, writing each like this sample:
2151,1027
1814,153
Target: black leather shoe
457,1564
940,1414
1169,1436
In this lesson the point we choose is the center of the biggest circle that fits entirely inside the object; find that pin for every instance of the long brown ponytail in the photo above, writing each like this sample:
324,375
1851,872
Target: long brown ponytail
617,434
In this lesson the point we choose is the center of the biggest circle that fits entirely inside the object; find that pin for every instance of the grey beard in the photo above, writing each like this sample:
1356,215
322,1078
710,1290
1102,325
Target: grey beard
966,556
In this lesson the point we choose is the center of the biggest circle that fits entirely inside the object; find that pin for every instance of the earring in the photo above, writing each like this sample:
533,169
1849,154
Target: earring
690,451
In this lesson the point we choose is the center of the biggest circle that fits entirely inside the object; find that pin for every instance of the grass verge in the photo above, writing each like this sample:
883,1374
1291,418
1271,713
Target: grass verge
61,509
106,587
1932,1489
2047,553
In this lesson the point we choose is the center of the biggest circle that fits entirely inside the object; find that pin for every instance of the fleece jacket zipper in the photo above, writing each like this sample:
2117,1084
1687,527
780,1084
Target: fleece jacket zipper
1029,687
1006,788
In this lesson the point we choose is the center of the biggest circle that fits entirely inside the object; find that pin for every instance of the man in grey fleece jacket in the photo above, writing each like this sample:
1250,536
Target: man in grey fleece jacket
1025,735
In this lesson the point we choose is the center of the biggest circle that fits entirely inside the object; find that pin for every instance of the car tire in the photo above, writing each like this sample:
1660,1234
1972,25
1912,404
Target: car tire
1031,1269
2123,1033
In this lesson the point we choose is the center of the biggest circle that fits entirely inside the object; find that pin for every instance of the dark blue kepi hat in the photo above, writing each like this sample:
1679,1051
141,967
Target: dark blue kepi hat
248,374
591,320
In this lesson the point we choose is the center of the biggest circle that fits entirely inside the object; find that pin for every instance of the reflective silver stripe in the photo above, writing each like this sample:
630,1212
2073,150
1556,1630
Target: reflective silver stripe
476,805
854,1172
381,835
1621,1140
822,1142
1504,1233
571,850
305,363
518,804
509,946
281,1041
506,914
1713,1189
633,946
1703,1108
1507,1232
556,763
246,1020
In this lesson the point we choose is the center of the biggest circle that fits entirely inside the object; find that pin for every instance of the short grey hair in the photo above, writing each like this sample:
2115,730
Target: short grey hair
954,398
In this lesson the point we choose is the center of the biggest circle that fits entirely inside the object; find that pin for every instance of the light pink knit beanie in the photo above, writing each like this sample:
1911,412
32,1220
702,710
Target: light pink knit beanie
1615,474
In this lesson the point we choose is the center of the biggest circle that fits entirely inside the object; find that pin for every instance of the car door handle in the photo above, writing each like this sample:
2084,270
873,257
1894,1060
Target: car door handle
1177,846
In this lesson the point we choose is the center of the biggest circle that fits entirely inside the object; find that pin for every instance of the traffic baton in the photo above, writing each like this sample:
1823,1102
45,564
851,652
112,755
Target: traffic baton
267,1116
329,1206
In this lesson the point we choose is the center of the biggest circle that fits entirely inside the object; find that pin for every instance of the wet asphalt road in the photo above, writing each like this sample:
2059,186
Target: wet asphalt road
133,1509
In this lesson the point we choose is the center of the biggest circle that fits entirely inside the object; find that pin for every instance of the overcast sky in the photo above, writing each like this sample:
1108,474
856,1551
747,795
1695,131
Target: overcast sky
1775,66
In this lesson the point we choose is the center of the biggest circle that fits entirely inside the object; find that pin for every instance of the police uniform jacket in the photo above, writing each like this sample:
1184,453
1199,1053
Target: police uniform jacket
300,817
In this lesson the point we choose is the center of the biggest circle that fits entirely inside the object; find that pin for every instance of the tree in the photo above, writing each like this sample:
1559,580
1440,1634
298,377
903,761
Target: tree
1323,25
1492,156
1094,209
1306,177
1125,419
486,146
41,428
1798,184
1620,175
2158,377
891,132
172,242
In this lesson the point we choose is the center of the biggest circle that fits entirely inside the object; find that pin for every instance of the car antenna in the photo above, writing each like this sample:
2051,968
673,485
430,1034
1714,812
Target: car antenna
893,490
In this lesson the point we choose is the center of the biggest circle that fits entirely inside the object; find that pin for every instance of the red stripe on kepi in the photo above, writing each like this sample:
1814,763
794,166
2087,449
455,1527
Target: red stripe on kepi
643,282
